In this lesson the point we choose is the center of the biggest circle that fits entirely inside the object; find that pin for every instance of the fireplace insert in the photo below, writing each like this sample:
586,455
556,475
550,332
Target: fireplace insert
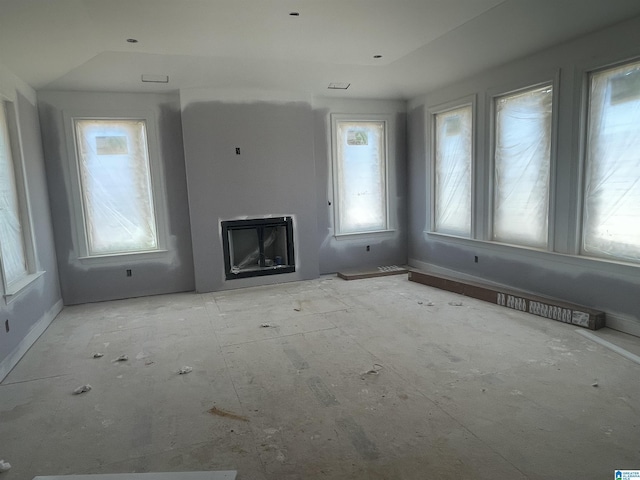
259,246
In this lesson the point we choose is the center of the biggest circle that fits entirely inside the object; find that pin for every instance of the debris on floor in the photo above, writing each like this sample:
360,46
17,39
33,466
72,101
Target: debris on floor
430,304
420,303
4,466
297,309
455,304
374,371
223,413
265,325
372,272
122,358
82,389
184,370
594,384
98,355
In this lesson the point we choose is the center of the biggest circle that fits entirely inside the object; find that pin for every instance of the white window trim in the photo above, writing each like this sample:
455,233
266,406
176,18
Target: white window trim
373,234
469,100
492,94
12,290
156,166
388,146
580,137
584,72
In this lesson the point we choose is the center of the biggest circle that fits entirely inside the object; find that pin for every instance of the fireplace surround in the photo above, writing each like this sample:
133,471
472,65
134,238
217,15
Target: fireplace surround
257,247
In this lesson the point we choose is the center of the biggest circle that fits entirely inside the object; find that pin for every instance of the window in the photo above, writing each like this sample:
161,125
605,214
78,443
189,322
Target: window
360,175
522,160
612,180
116,190
453,153
16,247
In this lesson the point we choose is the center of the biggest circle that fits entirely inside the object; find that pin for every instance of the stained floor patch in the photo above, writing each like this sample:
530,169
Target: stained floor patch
322,392
363,445
223,413
296,359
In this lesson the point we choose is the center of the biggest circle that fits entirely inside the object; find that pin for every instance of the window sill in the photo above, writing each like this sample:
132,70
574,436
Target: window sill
122,257
429,233
15,289
364,235
477,241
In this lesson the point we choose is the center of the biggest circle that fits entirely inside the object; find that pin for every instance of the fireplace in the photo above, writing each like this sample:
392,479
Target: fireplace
256,247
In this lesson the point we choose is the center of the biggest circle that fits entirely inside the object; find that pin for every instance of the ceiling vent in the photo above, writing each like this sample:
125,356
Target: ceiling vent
155,78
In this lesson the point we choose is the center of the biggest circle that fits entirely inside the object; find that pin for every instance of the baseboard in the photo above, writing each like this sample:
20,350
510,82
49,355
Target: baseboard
29,339
623,324
429,268
620,323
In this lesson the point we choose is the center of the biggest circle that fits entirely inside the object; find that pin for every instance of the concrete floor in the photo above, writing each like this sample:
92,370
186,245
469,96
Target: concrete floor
461,392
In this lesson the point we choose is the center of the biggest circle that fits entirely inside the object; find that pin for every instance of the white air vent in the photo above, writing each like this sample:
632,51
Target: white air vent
155,78
339,86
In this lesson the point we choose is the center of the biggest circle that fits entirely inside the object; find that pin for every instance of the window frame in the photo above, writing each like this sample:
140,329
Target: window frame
337,118
158,190
584,79
492,95
14,287
469,100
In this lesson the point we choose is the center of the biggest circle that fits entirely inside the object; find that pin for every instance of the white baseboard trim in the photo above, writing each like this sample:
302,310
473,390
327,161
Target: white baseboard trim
620,323
623,324
429,268
29,339
611,346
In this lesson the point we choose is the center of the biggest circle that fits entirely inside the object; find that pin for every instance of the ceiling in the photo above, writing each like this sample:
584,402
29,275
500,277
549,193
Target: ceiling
257,44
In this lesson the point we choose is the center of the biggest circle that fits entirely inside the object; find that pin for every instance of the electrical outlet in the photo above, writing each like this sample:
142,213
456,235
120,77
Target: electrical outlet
6,325
476,259
128,272
237,150
368,248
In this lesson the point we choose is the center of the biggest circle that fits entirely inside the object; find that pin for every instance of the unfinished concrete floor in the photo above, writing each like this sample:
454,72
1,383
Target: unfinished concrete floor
460,392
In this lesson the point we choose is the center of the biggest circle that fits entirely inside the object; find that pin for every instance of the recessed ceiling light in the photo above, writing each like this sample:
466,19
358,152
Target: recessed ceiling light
377,56
295,14
132,40
338,85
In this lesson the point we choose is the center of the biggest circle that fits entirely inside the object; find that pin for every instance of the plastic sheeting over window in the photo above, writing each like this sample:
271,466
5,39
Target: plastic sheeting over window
612,184
453,160
522,167
116,187
361,176
14,260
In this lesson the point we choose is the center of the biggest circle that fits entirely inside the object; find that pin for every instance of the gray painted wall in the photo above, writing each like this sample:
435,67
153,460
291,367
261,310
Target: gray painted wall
274,175
608,286
31,310
170,272
349,252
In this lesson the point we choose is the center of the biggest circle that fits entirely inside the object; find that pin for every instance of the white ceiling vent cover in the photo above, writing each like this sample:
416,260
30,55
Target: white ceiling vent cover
155,78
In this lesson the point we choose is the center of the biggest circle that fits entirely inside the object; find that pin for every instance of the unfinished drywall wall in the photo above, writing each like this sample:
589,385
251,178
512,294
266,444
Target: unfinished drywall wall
272,175
349,252
30,311
170,271
608,286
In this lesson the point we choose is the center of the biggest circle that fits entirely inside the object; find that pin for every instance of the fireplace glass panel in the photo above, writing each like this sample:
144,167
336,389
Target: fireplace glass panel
243,247
258,247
